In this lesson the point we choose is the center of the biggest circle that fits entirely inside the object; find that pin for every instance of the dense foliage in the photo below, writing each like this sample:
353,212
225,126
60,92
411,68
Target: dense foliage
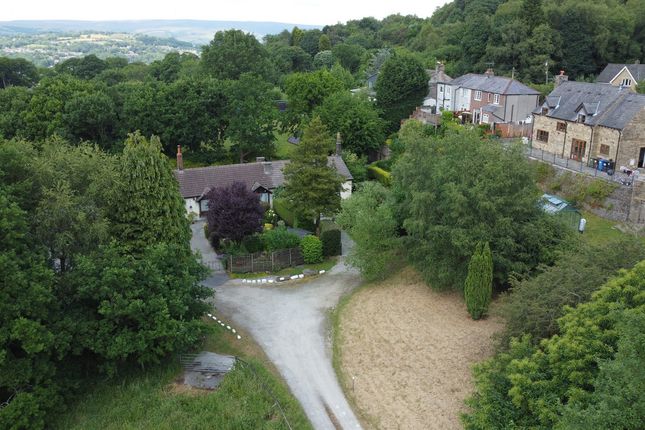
312,249
280,238
478,288
331,242
588,376
234,212
81,294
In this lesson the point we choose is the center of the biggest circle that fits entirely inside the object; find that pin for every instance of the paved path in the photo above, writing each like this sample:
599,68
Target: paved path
290,323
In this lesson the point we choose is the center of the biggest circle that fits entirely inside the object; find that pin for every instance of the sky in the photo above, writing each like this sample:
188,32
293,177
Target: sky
314,12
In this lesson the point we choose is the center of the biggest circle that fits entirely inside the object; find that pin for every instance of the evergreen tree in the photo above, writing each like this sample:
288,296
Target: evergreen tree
312,187
478,289
147,209
532,13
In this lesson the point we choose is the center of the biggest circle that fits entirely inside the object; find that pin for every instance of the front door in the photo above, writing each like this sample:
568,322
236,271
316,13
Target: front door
578,149
641,158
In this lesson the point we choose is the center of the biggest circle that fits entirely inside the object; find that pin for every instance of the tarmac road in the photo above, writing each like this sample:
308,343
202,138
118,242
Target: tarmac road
290,322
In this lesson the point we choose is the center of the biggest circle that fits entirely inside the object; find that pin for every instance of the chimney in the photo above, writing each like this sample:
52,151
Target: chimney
338,144
440,67
259,159
489,72
180,159
267,167
559,79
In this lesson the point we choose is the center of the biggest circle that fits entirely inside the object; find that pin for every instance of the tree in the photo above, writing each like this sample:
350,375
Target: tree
232,53
147,208
400,87
323,43
349,56
251,116
312,187
233,213
17,72
289,59
91,117
478,288
323,59
356,119
86,67
368,217
560,383
446,211
311,41
305,91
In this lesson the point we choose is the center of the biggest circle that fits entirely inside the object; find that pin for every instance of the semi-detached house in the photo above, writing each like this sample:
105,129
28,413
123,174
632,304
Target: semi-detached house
487,99
589,122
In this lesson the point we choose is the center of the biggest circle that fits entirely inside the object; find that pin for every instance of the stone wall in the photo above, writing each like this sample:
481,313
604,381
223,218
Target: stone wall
632,140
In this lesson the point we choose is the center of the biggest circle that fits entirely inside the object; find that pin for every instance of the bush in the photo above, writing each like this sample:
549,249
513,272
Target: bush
380,175
270,217
283,210
331,243
312,249
253,243
478,289
206,233
279,238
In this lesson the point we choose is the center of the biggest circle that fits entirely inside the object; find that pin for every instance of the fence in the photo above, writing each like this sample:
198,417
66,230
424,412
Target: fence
513,130
265,261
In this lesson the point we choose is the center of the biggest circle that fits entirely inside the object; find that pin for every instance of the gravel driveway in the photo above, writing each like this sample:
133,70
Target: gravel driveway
290,323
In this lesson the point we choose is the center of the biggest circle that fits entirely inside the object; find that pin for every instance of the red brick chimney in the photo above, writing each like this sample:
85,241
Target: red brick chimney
559,79
180,159
489,72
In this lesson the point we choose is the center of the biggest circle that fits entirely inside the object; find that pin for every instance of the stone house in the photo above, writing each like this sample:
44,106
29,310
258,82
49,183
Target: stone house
261,177
487,99
626,75
591,122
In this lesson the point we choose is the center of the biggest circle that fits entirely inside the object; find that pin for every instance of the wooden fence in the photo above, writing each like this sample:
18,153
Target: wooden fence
265,261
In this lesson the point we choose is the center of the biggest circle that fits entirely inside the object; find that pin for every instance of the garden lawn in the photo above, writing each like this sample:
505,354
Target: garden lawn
156,399
599,229
403,353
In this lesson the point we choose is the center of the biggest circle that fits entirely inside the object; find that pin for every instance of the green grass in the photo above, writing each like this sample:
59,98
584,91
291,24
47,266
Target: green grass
284,149
327,264
148,400
598,230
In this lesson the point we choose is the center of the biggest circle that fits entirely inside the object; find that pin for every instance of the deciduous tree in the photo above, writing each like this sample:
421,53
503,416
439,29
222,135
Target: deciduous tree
233,213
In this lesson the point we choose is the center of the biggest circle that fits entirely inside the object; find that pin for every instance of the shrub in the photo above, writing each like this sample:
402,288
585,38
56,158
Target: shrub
478,289
253,243
279,238
206,233
312,249
270,217
544,172
331,243
283,210
380,175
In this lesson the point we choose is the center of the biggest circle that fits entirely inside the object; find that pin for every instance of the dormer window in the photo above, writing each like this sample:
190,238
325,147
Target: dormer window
545,110
582,117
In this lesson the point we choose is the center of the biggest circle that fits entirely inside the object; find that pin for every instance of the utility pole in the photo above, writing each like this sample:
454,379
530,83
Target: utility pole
546,72
513,73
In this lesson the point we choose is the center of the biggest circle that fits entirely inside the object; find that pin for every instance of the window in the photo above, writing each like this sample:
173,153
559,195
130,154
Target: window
448,90
490,96
582,118
545,110
441,88
542,136
604,149
626,82
561,126
203,205
496,99
478,95
485,118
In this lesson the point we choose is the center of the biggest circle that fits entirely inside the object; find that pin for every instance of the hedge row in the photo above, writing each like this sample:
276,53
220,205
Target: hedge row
331,243
283,210
383,176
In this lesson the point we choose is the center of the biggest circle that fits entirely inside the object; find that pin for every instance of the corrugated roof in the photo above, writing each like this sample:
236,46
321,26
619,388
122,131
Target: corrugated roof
612,106
493,84
611,70
196,181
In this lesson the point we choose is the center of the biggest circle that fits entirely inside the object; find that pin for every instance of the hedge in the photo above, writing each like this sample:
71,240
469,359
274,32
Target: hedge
279,238
283,210
311,248
331,243
253,243
383,176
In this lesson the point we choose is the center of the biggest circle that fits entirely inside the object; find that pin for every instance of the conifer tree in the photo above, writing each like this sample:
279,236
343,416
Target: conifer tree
478,289
147,209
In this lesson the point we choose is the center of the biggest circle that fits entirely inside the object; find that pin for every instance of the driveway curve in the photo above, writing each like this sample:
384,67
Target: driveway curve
290,322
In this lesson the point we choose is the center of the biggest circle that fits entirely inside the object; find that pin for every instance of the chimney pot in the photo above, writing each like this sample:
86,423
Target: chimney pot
180,159
267,167
489,72
259,159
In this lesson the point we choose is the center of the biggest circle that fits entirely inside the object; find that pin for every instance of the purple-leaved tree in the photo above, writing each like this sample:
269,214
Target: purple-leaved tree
233,212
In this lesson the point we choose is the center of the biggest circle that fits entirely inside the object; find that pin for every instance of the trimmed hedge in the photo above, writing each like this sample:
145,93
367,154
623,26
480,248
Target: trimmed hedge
283,210
279,238
331,243
383,176
312,250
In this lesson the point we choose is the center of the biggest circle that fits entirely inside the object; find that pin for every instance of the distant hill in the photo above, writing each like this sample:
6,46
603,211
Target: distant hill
194,31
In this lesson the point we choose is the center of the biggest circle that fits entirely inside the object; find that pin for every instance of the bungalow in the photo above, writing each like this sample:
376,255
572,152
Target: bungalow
261,177
593,123
625,75
487,99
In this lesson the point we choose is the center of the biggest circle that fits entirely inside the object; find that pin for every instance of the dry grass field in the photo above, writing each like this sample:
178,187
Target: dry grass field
404,353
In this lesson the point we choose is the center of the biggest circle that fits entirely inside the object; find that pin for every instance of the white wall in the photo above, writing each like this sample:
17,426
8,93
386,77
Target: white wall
346,190
192,205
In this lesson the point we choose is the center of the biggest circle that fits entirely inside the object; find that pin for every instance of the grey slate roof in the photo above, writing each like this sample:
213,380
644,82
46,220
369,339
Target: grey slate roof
611,70
493,84
197,181
435,76
615,106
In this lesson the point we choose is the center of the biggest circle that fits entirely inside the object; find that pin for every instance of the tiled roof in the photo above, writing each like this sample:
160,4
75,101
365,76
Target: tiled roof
493,84
197,181
611,70
612,106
